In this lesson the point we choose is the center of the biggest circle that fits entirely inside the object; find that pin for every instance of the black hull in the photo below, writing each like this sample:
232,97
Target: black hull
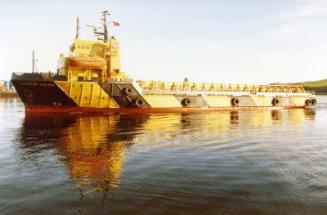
41,93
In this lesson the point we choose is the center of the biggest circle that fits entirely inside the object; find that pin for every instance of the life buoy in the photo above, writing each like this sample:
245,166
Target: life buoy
138,102
275,101
186,102
235,101
128,90
308,102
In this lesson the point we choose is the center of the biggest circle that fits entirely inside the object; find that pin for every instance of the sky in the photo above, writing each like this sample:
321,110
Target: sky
229,41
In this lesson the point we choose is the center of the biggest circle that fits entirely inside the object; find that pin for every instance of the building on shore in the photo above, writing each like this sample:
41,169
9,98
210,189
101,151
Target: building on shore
7,89
6,85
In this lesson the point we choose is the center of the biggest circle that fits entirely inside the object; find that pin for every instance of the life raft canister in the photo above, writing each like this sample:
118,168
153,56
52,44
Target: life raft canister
90,62
235,102
275,102
186,102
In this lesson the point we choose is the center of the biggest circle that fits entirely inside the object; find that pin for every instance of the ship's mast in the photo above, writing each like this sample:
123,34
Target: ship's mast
105,28
77,28
33,61
103,35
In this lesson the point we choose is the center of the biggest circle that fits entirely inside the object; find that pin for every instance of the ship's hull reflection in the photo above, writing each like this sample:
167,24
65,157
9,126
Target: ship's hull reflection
93,147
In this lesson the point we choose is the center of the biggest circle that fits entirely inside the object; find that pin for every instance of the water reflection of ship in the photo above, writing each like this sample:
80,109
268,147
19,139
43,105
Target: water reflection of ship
93,147
207,125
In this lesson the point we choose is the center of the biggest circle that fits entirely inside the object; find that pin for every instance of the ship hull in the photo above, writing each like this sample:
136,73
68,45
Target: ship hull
86,110
41,93
53,96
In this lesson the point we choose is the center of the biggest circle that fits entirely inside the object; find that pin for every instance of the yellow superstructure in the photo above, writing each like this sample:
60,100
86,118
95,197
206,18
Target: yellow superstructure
91,61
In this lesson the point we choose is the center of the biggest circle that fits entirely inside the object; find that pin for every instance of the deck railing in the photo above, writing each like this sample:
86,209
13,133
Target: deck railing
148,86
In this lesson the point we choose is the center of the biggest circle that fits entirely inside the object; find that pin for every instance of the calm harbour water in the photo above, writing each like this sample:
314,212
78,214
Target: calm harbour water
247,162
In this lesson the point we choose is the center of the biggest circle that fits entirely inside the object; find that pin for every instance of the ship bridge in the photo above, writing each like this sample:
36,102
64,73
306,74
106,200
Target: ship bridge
93,60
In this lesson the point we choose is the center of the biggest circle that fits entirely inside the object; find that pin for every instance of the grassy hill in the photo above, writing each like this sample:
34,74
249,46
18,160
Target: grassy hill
319,87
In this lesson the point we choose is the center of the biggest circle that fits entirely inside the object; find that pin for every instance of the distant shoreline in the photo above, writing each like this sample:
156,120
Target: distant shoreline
8,94
319,87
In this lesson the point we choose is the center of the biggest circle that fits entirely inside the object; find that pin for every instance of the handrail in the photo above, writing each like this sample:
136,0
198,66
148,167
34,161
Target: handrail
187,86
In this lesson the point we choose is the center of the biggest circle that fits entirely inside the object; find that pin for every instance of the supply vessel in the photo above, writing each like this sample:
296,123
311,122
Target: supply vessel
90,80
